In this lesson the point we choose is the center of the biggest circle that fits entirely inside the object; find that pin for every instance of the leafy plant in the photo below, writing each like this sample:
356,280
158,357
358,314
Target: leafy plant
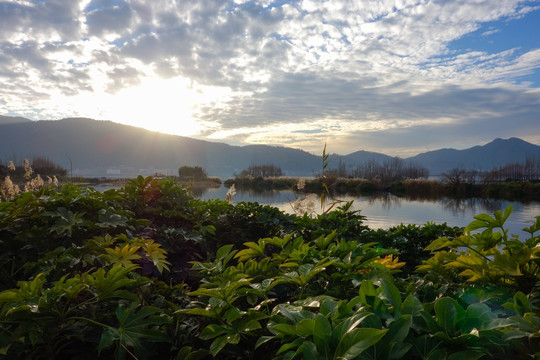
134,330
491,255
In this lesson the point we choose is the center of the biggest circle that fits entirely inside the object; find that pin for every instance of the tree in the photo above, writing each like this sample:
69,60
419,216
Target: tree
46,167
192,172
454,177
262,171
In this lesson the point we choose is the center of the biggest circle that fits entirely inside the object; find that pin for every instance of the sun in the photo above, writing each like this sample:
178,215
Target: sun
158,104
165,105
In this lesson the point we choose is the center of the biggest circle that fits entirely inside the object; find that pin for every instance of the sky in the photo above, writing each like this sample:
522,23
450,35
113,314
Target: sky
397,77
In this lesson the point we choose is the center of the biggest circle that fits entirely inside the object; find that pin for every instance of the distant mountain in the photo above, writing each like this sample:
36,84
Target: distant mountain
104,148
12,120
360,157
486,157
95,148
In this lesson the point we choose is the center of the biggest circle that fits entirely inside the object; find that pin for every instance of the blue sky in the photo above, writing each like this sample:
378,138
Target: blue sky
398,77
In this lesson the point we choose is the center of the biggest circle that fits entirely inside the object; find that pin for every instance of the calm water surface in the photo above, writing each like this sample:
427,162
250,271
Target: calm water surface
390,210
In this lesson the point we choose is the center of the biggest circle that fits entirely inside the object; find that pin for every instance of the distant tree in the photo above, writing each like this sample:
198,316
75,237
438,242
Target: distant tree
46,167
454,177
3,171
390,170
528,170
192,172
262,171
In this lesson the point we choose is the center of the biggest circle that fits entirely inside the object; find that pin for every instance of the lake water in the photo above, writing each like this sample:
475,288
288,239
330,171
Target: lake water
389,210
384,211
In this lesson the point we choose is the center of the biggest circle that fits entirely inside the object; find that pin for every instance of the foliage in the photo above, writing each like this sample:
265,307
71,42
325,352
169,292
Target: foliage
261,171
410,240
147,271
520,190
192,172
490,256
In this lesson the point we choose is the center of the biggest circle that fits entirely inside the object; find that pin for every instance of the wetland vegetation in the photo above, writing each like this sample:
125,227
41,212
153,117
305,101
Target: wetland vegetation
148,271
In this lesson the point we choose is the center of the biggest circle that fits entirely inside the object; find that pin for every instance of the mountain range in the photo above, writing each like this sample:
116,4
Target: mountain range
97,148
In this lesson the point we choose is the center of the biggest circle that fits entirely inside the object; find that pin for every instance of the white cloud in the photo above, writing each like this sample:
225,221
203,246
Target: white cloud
370,66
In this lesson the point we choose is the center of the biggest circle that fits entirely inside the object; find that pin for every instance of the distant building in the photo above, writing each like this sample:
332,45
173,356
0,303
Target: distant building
113,171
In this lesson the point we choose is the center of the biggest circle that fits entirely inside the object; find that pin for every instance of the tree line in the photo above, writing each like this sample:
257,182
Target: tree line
387,171
263,171
528,170
40,165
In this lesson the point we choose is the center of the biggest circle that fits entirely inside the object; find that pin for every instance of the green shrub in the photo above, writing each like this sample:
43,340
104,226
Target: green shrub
148,271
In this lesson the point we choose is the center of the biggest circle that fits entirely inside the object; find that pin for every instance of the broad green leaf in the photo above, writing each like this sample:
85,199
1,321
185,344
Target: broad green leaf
516,334
289,346
232,314
223,251
524,324
218,344
445,309
439,244
475,225
392,293
496,324
305,327
366,289
322,332
211,331
522,304
485,218
263,340
356,342
107,338
507,212
7,296
399,329
412,306
284,329
250,326
328,307
309,351
481,313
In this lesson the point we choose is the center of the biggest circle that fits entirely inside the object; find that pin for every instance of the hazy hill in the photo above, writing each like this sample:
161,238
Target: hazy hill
360,157
12,120
104,148
496,153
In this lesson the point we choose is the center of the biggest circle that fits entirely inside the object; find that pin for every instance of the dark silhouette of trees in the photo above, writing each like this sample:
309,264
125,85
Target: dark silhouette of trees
192,173
40,165
46,167
262,171
390,170
529,170
454,177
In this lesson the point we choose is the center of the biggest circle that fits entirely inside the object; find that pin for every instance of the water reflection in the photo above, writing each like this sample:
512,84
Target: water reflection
475,205
386,210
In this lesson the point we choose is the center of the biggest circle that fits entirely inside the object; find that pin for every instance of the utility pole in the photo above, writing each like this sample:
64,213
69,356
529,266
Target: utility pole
70,168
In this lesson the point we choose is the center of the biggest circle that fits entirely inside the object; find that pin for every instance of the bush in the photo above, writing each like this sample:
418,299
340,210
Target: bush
147,271
192,172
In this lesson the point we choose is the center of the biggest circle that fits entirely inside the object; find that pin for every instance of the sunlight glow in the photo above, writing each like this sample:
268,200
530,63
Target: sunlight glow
164,105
